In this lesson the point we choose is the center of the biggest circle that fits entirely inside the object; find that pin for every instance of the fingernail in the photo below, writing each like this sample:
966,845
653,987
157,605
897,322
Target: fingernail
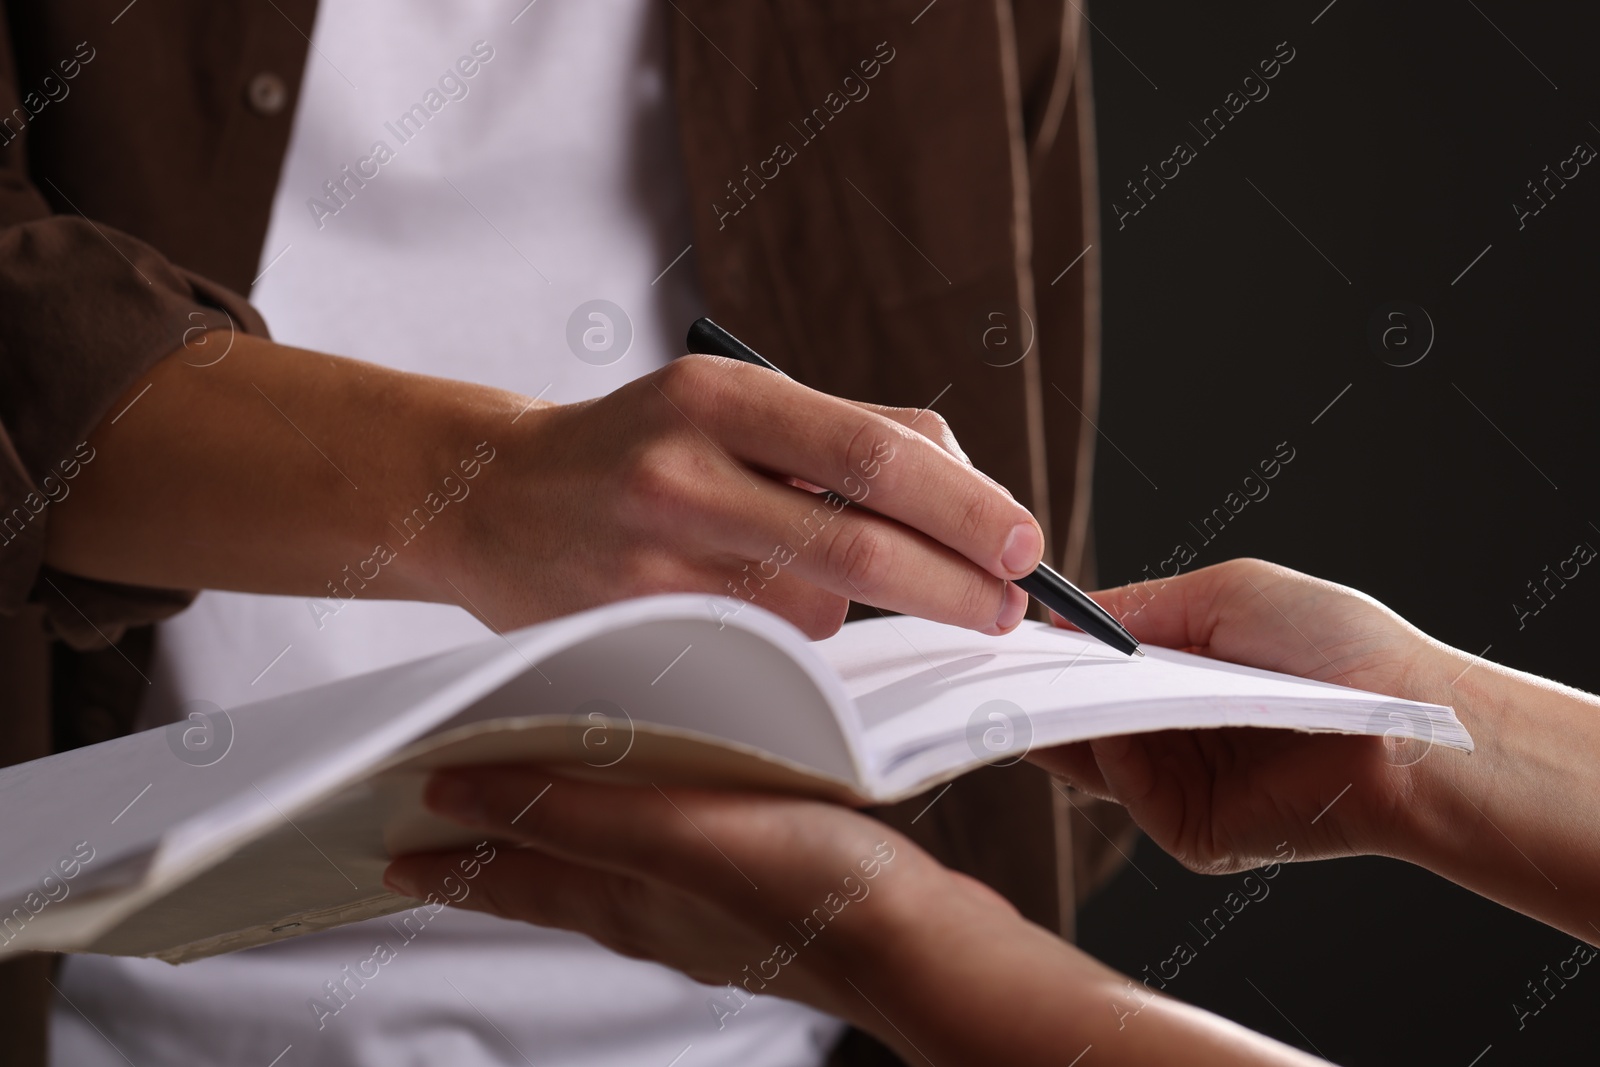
456,798
1023,548
1014,608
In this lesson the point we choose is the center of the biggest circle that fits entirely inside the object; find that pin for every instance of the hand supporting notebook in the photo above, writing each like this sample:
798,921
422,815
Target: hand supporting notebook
1221,800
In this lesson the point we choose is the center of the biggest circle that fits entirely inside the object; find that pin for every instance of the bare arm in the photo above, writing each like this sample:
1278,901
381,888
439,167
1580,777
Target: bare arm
271,470
1515,822
278,470
1506,821
769,895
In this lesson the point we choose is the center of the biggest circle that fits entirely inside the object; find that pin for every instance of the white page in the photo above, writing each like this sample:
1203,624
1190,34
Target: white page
131,798
150,817
697,664
921,689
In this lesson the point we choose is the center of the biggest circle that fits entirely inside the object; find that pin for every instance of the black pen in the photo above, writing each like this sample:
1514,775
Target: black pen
1044,584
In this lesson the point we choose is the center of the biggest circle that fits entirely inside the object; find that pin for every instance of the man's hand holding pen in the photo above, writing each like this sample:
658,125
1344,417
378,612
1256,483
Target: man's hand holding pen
694,478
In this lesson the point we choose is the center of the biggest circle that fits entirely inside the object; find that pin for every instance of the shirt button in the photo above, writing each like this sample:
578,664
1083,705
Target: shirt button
267,93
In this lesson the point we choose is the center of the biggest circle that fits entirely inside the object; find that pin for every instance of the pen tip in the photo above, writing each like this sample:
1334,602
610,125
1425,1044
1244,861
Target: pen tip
1139,652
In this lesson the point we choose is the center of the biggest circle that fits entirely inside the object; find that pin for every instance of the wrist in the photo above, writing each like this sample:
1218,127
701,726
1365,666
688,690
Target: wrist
910,965
1441,785
871,972
442,511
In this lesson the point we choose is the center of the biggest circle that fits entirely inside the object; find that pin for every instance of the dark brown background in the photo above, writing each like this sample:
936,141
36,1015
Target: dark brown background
1396,141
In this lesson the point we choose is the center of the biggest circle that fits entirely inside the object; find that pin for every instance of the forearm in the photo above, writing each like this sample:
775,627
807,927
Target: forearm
1515,821
272,470
989,987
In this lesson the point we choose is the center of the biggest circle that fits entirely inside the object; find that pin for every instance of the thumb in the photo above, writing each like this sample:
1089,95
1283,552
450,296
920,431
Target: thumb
1177,612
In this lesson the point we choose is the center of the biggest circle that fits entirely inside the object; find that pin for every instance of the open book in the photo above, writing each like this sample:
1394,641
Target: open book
240,827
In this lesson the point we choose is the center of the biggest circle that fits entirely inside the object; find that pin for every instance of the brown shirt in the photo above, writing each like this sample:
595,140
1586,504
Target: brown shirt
920,241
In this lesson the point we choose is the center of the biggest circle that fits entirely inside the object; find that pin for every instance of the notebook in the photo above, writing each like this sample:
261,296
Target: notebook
248,825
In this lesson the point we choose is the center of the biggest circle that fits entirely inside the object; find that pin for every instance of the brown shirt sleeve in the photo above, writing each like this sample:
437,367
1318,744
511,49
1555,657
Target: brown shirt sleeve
85,310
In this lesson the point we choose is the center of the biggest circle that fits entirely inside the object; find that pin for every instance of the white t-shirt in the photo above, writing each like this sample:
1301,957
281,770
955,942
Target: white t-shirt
462,181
